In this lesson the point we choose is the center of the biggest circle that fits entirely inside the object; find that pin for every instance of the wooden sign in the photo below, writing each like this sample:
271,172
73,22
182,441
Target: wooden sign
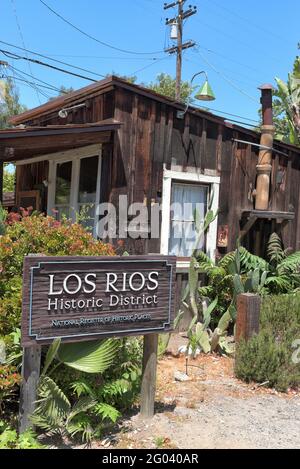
85,298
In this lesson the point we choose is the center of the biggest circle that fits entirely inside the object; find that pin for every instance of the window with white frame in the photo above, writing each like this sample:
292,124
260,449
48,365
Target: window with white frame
74,186
185,203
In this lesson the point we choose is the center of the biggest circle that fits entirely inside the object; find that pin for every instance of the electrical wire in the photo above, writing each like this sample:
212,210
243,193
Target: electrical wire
246,20
38,62
230,82
54,88
23,43
29,83
229,114
43,93
84,33
53,60
150,65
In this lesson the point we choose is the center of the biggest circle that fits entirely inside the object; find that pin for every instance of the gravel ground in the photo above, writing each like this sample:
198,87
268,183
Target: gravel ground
213,410
224,422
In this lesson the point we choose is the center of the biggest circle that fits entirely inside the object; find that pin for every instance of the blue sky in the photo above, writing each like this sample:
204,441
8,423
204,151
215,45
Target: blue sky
240,43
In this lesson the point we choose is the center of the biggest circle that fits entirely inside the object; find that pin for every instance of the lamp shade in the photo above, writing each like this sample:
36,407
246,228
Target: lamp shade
206,93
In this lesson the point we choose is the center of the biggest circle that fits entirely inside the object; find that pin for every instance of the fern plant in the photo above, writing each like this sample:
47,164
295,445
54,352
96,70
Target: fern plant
55,413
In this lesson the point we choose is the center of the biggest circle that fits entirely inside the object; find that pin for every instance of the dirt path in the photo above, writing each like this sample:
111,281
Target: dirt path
213,410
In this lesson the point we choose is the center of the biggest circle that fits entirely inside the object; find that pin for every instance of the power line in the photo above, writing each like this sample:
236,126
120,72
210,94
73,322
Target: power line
29,83
246,20
38,62
229,114
231,83
23,42
53,60
244,80
150,65
125,51
54,88
261,51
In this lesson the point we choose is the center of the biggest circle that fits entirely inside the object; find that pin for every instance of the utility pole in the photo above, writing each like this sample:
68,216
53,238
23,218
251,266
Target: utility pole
178,21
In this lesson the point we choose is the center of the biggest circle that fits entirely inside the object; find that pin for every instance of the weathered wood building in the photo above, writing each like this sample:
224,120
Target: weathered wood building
114,138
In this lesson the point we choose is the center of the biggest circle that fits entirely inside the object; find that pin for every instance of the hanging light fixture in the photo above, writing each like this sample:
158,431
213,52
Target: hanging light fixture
204,94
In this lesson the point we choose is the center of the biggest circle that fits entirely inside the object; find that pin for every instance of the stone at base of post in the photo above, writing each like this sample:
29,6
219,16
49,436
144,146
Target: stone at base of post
248,313
148,387
30,377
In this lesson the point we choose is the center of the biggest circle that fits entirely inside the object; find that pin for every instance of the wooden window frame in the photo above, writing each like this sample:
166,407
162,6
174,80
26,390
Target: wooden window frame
171,176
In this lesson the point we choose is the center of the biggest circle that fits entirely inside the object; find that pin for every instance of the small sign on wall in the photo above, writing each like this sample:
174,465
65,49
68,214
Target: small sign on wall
223,232
84,298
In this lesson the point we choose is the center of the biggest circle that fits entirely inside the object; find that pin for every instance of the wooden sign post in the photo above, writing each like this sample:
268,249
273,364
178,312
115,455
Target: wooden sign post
88,298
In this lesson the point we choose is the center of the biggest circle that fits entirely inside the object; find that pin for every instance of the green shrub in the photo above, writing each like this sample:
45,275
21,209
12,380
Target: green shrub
37,234
9,381
267,357
10,439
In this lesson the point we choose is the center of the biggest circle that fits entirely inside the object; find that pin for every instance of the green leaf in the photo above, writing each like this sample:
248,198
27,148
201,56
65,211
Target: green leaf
51,354
178,319
89,357
107,411
204,342
208,312
238,286
224,321
82,405
53,402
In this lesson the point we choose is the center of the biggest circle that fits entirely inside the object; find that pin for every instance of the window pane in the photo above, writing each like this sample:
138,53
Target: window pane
88,180
63,212
63,183
187,202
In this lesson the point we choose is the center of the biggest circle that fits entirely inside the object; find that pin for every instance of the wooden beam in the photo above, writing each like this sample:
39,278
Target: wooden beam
148,387
248,313
248,226
269,214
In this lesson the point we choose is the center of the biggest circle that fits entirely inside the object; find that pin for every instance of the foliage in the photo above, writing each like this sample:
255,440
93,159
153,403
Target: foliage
267,357
9,439
213,306
43,235
93,396
288,95
166,85
63,90
9,381
199,333
9,102
241,272
3,216
8,180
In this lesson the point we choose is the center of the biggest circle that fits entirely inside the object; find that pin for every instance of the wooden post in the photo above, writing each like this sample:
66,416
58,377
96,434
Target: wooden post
31,367
248,312
149,375
30,376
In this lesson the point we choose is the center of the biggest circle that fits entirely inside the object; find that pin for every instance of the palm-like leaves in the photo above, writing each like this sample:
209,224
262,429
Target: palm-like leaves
89,357
54,412
289,95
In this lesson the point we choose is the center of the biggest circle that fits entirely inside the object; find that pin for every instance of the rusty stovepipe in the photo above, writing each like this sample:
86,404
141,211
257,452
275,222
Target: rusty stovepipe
264,167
